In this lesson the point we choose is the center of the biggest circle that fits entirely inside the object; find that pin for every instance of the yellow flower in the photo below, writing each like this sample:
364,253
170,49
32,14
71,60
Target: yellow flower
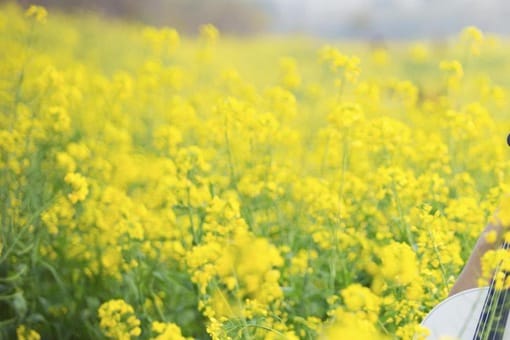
454,67
209,33
349,325
161,40
472,33
38,13
118,321
398,263
473,37
491,236
289,74
504,211
166,331
79,187
454,71
361,300
24,333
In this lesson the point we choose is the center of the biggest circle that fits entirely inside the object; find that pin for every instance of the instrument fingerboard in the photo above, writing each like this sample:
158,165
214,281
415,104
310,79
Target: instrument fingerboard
492,322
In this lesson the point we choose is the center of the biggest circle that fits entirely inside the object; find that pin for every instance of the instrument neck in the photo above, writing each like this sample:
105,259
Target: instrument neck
493,318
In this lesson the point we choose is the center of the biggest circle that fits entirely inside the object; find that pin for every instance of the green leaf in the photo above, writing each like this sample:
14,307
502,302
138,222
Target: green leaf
20,304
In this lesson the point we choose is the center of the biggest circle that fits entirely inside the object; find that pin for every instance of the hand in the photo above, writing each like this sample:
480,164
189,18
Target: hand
491,237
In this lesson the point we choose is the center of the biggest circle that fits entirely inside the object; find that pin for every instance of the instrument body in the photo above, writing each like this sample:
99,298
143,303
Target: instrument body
458,317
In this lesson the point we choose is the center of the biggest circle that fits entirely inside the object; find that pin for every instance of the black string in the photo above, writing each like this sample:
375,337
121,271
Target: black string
498,306
484,317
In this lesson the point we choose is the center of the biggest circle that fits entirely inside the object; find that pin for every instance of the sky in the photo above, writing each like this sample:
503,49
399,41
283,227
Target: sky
389,18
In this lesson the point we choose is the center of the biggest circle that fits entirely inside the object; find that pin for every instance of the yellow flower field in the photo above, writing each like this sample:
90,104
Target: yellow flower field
154,186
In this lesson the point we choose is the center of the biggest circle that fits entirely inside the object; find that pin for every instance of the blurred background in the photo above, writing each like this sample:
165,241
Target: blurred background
366,19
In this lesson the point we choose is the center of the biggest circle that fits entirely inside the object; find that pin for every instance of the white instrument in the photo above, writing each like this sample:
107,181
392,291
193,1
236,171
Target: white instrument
473,314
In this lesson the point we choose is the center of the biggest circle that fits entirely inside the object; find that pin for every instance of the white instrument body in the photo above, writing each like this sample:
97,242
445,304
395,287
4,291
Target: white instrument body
457,316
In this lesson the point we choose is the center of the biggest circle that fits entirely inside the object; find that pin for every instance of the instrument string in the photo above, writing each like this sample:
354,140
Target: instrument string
487,310
488,313
494,307
482,322
503,309
480,327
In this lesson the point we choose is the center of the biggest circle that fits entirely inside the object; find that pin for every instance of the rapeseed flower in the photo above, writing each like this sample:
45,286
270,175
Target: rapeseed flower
24,333
117,320
245,195
38,13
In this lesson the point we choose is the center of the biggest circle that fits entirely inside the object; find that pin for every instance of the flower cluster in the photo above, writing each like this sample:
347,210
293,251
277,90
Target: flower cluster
117,320
157,186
